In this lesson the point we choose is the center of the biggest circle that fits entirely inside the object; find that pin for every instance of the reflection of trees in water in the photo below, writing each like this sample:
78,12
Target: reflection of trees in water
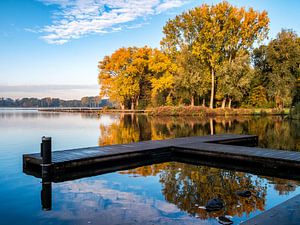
283,186
273,132
276,132
27,114
189,186
129,128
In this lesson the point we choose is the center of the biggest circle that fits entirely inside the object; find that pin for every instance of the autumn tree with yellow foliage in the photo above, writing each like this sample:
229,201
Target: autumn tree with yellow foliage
134,75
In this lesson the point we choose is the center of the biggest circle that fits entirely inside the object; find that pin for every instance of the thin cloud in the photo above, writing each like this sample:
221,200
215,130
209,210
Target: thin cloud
78,18
40,91
44,88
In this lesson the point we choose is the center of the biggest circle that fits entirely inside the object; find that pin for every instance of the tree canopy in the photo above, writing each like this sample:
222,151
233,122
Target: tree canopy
133,75
278,67
215,34
207,55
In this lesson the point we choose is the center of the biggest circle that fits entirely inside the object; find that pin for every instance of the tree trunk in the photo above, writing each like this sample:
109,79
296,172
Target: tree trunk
122,106
223,103
132,117
212,93
180,101
211,123
229,103
132,104
137,101
203,102
192,100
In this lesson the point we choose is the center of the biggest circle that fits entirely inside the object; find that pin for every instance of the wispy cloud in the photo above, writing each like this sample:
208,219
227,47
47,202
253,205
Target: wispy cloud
45,88
40,91
77,18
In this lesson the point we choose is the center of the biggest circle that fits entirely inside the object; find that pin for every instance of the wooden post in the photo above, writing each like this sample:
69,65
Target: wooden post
46,156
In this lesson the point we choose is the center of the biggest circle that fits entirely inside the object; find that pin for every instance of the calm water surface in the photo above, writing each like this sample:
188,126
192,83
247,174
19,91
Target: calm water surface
167,193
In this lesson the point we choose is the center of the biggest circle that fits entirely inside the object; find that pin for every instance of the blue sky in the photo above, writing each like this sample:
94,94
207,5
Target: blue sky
52,47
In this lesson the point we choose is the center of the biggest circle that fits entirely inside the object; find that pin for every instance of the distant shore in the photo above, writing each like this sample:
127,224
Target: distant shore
175,111
90,110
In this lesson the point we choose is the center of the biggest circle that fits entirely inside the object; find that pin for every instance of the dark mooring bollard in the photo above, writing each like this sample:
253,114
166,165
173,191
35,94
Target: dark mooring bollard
46,156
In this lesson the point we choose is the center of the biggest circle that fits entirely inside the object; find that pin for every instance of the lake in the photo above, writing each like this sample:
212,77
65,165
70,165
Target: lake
166,193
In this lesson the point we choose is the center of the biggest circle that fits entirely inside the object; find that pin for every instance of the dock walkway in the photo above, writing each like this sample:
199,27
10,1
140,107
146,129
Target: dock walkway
217,150
286,213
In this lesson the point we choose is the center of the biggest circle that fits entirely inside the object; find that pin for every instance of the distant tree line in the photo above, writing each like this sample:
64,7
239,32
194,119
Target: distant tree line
54,102
207,58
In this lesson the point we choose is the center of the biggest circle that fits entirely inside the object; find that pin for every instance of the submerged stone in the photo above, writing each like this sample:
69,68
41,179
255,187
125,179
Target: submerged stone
224,220
245,193
214,204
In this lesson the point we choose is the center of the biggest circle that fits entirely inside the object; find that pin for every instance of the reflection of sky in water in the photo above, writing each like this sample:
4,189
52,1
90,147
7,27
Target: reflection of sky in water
107,199
116,199
124,199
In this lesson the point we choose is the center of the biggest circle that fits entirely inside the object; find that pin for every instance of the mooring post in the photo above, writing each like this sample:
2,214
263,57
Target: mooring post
46,156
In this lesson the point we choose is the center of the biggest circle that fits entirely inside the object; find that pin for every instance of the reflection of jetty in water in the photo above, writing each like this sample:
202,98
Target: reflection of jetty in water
46,195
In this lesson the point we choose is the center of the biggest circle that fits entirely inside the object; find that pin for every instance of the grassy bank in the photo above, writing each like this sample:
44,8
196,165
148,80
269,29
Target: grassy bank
203,111
199,111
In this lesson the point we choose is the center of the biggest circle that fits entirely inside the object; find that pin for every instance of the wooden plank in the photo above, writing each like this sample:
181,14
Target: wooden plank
243,151
100,151
287,213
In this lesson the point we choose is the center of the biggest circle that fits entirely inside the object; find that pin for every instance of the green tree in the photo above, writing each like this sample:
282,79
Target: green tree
278,66
258,97
192,77
214,34
234,78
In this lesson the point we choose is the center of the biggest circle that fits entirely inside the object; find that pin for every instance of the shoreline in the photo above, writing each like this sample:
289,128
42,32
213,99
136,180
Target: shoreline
198,111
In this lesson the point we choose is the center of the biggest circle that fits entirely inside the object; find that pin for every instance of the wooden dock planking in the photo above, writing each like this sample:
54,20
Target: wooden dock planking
219,148
100,151
242,152
287,213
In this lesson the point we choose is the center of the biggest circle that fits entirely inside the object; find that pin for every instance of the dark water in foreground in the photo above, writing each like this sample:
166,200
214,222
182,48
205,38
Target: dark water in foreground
167,193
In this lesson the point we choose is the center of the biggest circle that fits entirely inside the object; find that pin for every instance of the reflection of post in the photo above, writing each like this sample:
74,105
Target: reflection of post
211,122
132,118
46,195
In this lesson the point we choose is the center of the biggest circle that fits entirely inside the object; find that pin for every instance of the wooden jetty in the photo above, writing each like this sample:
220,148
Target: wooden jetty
223,151
286,213
236,152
